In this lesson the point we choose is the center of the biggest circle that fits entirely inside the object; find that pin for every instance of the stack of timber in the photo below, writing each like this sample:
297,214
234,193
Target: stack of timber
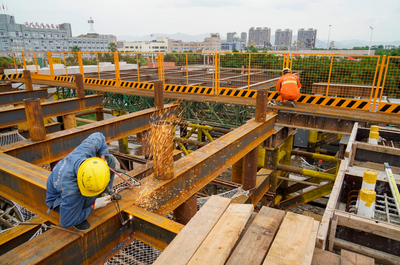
225,233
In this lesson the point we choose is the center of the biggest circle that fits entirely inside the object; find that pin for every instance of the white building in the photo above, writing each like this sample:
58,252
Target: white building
210,44
260,37
158,45
306,38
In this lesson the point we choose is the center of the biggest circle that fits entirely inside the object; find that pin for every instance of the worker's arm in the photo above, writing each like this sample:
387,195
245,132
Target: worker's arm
71,209
279,85
298,82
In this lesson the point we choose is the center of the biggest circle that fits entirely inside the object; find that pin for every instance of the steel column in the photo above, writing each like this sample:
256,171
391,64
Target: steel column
28,80
34,116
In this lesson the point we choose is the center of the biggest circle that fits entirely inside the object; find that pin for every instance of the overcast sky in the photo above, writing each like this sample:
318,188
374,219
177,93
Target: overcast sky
350,19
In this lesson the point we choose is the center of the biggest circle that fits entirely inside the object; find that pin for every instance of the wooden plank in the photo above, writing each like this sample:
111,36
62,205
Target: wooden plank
258,238
332,233
322,257
352,258
379,148
289,245
220,241
310,246
377,166
333,199
371,226
379,256
185,244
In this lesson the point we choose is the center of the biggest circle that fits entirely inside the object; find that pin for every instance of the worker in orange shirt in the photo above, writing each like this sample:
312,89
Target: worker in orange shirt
288,86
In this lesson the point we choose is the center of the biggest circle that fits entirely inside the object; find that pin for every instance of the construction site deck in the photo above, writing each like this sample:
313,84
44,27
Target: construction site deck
243,170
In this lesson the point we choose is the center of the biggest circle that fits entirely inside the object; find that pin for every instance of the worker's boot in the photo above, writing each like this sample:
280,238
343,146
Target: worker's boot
82,226
293,104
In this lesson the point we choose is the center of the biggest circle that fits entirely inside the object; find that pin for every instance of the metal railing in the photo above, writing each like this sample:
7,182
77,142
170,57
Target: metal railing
375,79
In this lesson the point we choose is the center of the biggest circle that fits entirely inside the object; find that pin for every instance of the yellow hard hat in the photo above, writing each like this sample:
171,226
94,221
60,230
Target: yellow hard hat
286,69
93,176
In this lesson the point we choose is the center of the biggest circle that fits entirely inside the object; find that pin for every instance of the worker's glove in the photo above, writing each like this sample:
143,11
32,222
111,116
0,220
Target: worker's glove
101,202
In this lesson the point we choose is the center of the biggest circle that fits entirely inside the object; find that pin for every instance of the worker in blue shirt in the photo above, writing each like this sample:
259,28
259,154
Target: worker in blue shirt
78,183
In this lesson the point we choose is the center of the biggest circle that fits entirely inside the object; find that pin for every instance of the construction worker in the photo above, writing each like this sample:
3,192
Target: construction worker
289,87
78,183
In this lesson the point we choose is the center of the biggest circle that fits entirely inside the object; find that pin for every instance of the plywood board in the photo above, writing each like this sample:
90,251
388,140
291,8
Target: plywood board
291,242
352,258
256,242
185,244
217,246
322,257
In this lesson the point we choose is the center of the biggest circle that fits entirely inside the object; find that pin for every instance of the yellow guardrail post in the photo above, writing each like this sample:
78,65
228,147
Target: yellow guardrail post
248,72
50,61
23,60
329,77
36,63
81,70
373,82
65,64
98,65
137,67
187,70
382,66
15,63
117,73
384,78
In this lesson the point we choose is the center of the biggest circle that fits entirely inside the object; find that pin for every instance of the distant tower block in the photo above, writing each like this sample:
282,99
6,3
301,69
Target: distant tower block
91,22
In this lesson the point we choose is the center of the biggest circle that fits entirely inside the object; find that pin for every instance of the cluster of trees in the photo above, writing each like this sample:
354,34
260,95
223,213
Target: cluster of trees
378,51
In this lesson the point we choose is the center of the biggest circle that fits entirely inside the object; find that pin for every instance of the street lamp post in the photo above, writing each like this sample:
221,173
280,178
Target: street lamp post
329,34
370,40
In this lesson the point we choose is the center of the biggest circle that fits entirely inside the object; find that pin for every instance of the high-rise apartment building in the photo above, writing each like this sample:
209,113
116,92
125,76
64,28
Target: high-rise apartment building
243,38
35,37
307,38
260,37
283,38
229,36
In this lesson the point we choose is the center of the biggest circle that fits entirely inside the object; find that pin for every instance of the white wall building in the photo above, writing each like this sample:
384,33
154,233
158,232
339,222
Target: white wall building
158,45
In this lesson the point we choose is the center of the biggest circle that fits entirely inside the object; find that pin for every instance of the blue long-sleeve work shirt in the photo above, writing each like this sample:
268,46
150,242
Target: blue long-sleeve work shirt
62,185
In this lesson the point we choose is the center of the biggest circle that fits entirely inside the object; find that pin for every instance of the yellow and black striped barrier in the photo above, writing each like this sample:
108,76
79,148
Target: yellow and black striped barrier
64,78
189,89
240,93
391,108
139,85
11,76
347,103
101,82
